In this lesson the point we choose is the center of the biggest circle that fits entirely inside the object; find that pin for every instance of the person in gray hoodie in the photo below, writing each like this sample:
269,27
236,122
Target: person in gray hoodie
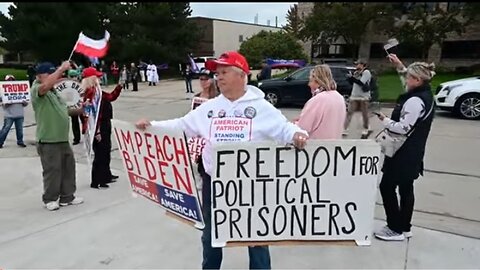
13,114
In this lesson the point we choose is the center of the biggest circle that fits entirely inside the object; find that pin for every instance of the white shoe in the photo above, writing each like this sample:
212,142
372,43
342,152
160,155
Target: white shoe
77,200
388,235
52,206
345,133
408,234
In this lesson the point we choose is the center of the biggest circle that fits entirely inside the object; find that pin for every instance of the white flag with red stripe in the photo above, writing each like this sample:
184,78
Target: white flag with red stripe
92,47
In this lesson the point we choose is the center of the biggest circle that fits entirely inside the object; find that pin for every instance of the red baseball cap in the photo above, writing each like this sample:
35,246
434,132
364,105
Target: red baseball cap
91,71
231,58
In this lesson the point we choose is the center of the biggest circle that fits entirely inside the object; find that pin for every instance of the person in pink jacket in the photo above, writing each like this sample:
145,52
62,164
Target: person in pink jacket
324,114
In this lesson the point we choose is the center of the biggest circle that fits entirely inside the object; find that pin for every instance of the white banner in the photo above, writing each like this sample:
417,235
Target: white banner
15,91
70,91
158,166
92,113
266,192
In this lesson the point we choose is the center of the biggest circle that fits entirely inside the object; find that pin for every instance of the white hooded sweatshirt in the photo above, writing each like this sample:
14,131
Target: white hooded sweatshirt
249,118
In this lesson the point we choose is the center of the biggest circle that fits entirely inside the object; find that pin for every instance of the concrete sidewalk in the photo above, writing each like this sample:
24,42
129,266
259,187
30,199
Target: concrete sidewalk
113,230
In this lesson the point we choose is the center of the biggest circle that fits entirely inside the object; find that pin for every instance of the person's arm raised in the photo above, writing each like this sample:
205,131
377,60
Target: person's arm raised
52,79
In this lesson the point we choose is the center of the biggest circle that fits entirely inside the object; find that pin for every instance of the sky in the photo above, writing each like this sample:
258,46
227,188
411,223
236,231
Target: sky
242,12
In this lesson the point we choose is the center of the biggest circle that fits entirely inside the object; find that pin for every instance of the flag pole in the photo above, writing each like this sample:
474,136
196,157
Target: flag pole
74,47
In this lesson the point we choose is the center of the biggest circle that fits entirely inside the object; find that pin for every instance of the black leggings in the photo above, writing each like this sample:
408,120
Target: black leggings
398,216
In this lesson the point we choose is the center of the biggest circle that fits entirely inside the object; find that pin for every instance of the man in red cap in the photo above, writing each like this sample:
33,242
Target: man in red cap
260,121
102,143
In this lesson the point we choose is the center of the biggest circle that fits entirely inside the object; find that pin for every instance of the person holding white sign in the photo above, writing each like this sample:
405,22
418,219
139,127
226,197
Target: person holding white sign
323,115
411,119
13,114
239,114
209,91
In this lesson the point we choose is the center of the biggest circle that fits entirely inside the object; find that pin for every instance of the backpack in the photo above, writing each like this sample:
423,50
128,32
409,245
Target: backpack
371,86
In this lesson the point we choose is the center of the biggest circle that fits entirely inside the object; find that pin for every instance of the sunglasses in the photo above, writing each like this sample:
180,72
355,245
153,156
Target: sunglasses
204,79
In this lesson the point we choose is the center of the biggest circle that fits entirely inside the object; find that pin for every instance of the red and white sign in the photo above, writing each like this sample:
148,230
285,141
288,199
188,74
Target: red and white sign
15,91
92,47
195,147
158,167
229,129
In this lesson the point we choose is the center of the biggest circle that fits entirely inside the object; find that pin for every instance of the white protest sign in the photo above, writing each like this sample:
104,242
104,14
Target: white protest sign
263,192
92,113
15,91
159,168
197,101
70,91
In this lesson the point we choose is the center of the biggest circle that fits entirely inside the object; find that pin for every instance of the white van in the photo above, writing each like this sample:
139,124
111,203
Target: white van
200,60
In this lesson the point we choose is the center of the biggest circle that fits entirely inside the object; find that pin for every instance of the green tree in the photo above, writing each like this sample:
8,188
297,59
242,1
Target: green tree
279,45
49,30
151,31
424,27
347,21
140,30
293,21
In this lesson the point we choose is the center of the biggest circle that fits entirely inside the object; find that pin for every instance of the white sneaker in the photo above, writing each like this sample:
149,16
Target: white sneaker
345,133
52,206
77,200
388,235
408,234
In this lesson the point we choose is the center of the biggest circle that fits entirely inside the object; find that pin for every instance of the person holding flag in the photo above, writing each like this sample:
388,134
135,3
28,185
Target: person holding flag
102,144
56,155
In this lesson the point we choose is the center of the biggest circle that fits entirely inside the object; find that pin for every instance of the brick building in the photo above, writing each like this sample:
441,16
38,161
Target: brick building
456,51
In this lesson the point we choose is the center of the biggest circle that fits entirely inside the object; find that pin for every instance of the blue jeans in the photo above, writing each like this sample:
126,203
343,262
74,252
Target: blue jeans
7,124
188,84
212,257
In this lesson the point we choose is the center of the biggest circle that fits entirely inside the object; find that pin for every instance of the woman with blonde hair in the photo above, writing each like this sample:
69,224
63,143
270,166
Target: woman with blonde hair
102,144
411,119
324,114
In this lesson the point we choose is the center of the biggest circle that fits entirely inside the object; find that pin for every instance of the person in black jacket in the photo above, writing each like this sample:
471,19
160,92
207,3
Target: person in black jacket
411,117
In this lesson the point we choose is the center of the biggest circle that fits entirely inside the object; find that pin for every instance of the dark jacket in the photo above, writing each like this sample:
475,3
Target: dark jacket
407,163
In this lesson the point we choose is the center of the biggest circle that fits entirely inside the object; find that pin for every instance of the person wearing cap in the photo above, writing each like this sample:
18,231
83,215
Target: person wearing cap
13,114
412,117
209,91
266,72
359,99
74,73
53,125
102,143
261,122
207,83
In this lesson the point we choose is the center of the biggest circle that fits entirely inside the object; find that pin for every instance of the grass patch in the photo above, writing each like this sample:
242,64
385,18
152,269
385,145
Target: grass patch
390,87
20,74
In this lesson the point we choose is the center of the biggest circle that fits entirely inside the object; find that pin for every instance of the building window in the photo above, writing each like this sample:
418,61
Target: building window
461,49
240,38
334,51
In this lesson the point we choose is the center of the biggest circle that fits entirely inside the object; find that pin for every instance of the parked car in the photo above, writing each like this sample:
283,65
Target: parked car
462,97
294,88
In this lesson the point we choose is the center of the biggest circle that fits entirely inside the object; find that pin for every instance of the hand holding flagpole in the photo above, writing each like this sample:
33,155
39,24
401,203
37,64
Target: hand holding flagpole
74,47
